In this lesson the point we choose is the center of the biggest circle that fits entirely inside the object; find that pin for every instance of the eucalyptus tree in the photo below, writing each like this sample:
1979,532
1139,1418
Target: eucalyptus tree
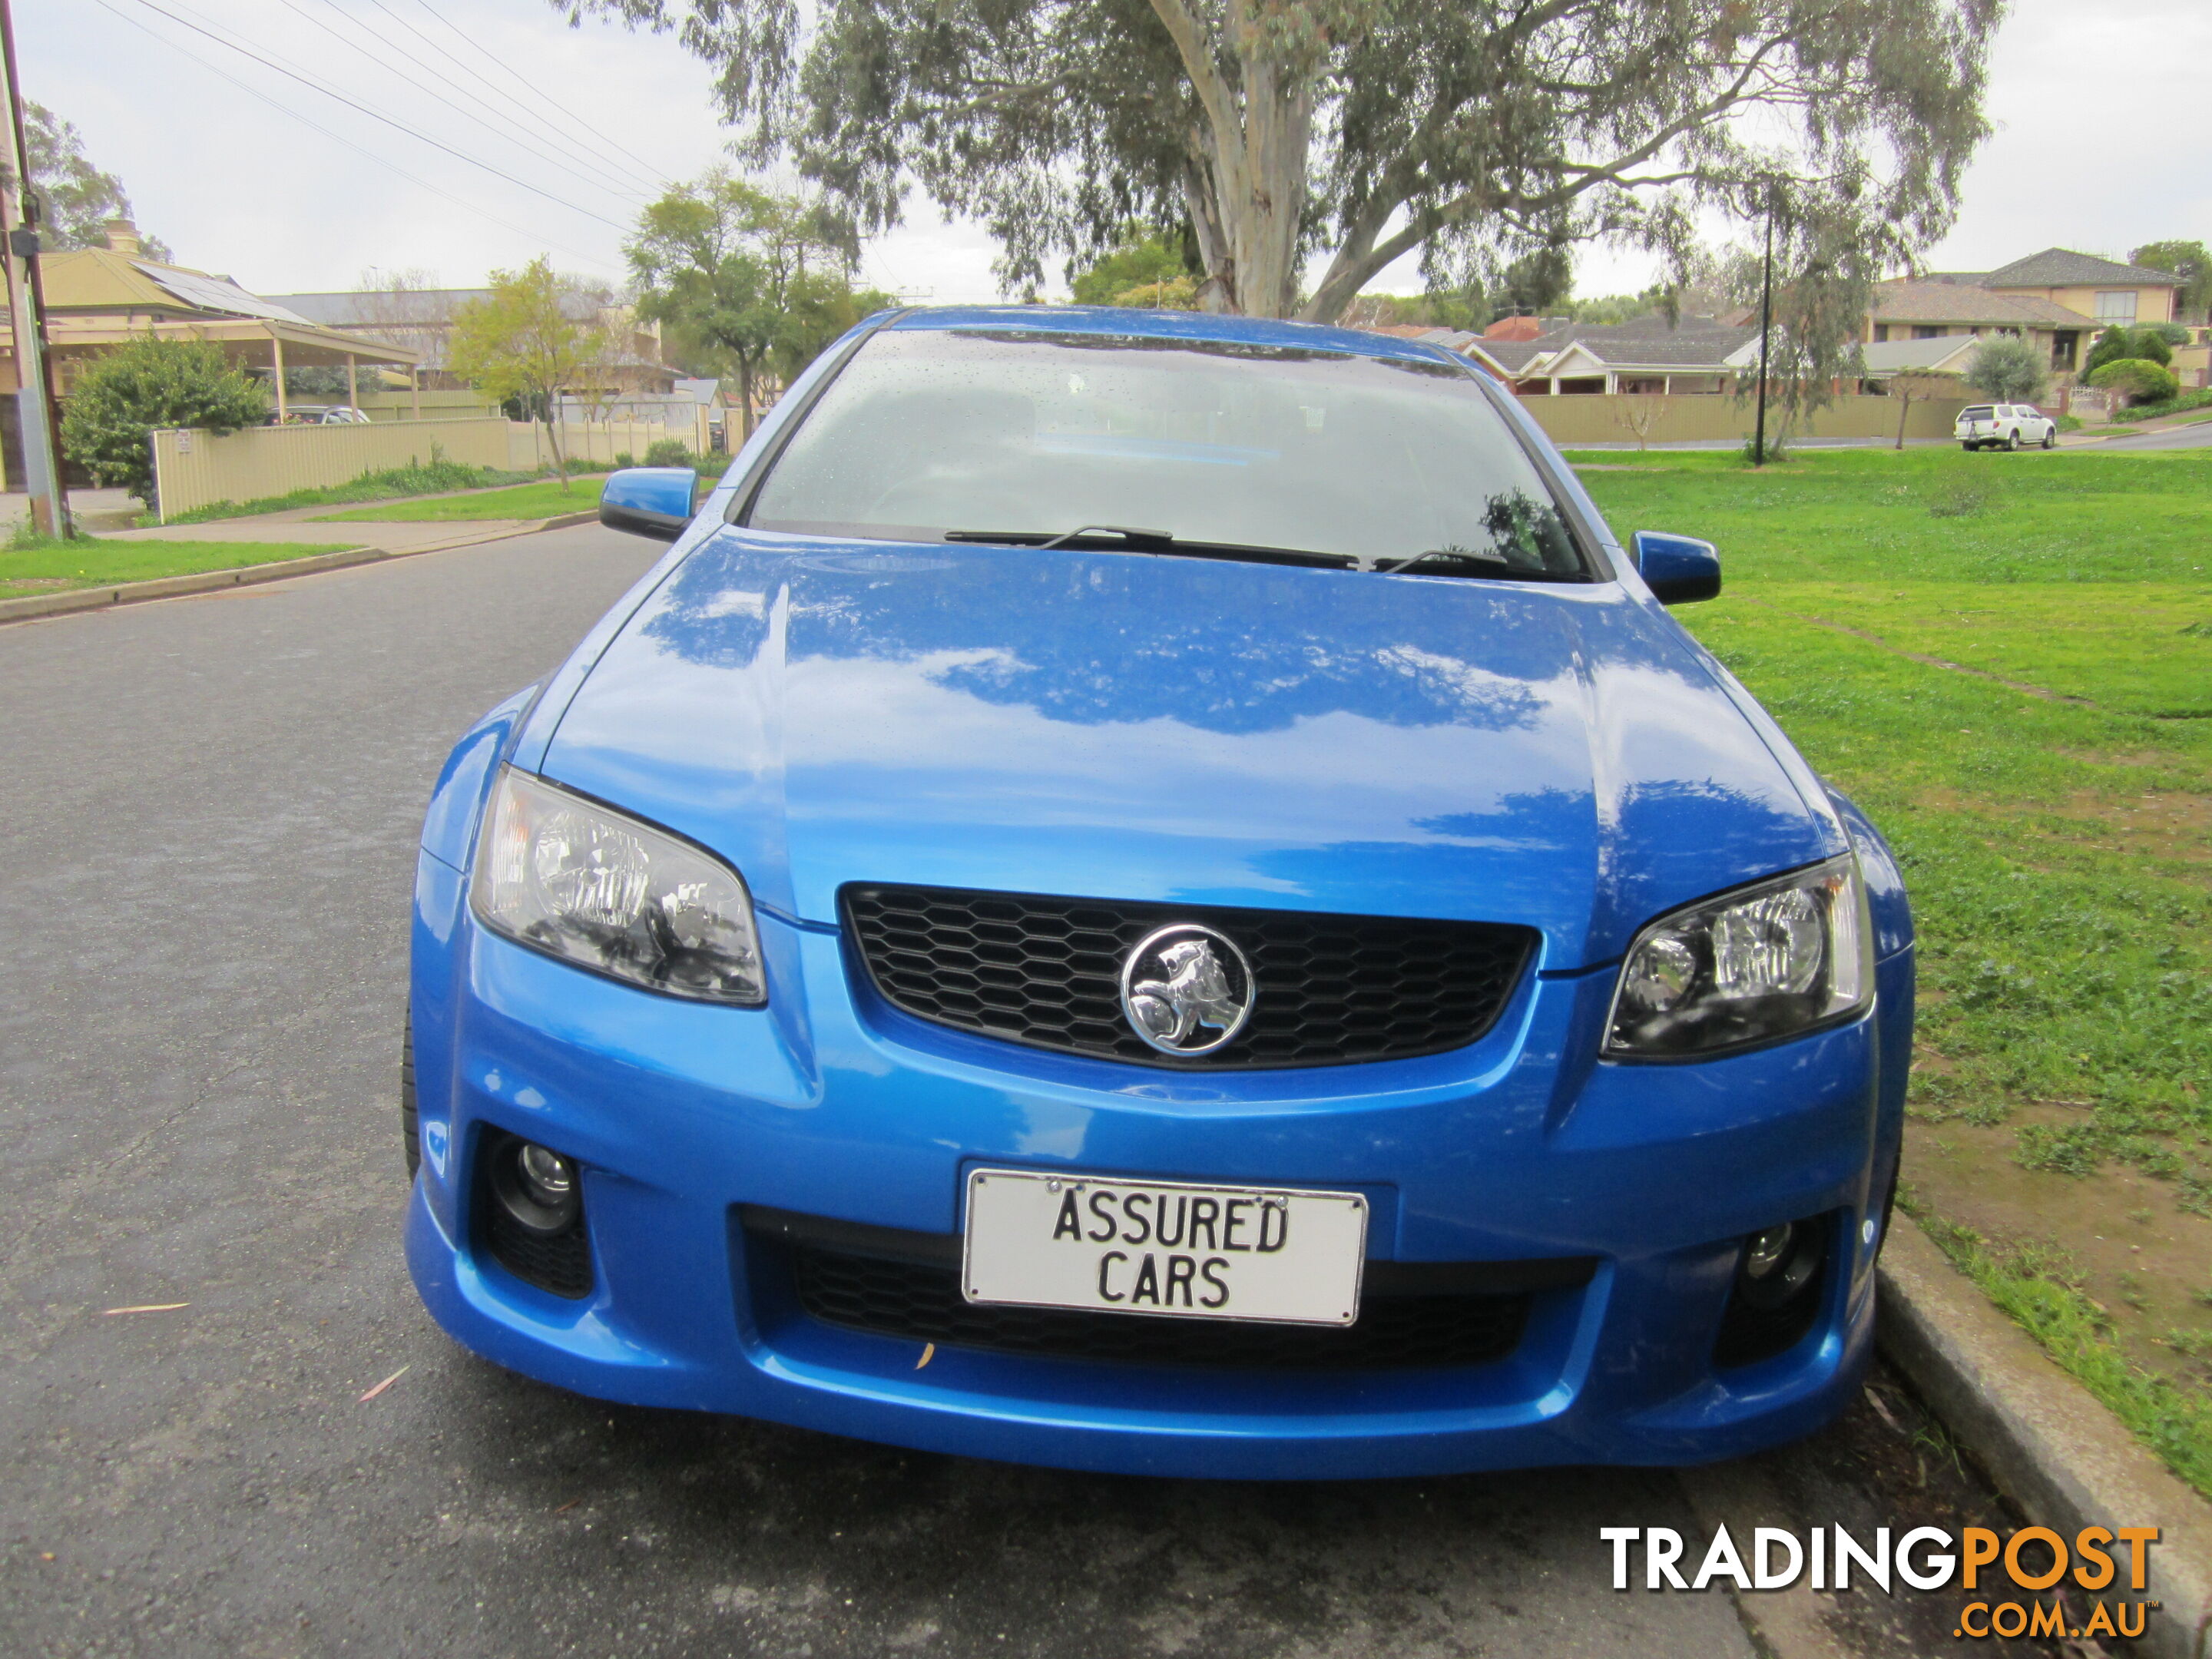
758,280
1321,140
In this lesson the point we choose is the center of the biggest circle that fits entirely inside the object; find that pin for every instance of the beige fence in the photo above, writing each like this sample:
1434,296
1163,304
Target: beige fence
194,470
599,440
1628,417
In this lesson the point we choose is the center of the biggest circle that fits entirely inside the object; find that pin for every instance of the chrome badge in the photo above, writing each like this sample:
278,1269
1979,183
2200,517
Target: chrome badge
1186,990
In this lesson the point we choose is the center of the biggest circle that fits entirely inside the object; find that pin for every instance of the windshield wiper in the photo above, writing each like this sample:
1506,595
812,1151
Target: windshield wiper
1147,539
1156,541
1505,570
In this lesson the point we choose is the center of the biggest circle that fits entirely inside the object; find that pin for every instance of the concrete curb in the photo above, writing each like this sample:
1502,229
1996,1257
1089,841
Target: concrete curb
32,606
2047,1442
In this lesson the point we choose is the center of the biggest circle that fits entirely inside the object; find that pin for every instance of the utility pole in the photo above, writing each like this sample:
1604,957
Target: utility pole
1765,327
39,419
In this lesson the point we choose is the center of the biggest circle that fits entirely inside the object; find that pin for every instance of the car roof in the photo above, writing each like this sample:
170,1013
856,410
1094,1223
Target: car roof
1172,325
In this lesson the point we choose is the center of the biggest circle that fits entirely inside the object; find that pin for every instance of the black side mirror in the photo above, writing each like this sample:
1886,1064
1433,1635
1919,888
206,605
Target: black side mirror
1677,569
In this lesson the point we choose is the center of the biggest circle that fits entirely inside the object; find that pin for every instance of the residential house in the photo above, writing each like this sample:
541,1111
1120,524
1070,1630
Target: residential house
2058,299
1697,355
422,319
98,298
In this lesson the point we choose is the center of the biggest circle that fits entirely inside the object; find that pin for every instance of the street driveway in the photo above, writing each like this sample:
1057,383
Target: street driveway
210,812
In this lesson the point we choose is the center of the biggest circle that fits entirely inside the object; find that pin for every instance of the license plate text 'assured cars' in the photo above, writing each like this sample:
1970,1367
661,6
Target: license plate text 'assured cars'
1281,1256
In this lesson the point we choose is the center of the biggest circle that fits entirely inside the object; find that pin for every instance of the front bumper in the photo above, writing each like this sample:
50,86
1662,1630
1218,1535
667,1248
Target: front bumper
829,1103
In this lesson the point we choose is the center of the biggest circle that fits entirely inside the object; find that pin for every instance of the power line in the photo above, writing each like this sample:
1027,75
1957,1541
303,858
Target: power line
338,138
643,173
606,181
469,41
396,126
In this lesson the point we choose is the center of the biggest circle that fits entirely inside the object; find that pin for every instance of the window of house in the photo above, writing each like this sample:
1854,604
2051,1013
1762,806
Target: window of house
2116,306
1926,331
1881,332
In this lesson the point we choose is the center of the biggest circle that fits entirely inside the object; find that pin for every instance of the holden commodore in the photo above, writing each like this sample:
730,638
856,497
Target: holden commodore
1156,893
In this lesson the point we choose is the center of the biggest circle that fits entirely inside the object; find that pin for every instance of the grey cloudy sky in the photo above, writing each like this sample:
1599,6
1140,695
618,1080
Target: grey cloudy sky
2103,112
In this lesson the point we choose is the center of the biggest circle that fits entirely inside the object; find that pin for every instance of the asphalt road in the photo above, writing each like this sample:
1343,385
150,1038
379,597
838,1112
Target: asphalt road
209,816
2196,436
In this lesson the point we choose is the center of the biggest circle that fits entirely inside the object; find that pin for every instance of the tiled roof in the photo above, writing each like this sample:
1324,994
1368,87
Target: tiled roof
1958,303
2061,267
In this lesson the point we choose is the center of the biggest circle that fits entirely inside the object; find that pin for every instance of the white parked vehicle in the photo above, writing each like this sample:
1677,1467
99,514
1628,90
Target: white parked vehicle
2004,426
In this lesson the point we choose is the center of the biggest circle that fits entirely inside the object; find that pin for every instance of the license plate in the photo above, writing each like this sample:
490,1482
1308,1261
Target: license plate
1276,1254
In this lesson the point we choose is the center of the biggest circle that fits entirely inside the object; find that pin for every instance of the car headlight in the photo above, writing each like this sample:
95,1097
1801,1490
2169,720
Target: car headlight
596,887
1763,962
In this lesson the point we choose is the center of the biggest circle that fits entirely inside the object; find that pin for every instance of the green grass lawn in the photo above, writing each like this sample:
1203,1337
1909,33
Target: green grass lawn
95,563
545,498
2007,659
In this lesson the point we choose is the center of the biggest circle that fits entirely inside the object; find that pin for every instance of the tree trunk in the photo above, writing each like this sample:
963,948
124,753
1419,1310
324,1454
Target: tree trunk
1244,177
746,397
1904,409
552,407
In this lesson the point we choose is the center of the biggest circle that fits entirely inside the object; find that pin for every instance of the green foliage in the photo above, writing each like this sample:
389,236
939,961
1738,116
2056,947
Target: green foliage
667,451
80,198
1139,259
2179,404
520,343
2115,345
2009,370
146,386
2142,380
2189,261
759,283
1383,130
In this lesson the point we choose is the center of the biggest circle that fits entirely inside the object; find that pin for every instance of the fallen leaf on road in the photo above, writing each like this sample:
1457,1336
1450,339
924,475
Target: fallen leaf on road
386,1383
566,1507
150,1307
928,1353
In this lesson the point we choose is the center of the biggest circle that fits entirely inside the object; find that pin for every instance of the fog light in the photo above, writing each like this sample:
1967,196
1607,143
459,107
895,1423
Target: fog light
552,1177
1777,1264
535,1186
1765,1252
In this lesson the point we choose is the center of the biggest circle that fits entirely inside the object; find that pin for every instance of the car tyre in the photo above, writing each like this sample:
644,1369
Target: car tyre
411,1132
2050,438
1969,447
2012,441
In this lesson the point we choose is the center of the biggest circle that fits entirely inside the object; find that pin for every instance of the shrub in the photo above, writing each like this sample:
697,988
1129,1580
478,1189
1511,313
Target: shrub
2009,371
667,451
2177,405
2140,380
144,386
623,459
2127,345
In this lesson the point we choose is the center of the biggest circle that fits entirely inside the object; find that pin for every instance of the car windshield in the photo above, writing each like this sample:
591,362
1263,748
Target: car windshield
1200,445
1982,413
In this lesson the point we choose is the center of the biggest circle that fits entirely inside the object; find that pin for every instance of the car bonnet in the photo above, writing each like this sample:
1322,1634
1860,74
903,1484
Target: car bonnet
1183,730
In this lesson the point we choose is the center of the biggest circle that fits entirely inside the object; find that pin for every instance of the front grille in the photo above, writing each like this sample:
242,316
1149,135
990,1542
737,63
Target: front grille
1331,990
909,1288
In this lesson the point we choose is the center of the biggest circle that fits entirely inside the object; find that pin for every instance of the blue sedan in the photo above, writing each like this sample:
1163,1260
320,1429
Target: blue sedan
1157,893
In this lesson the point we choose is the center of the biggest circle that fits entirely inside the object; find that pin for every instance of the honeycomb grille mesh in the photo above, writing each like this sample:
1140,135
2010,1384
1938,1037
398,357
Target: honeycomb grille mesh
1332,990
921,1302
